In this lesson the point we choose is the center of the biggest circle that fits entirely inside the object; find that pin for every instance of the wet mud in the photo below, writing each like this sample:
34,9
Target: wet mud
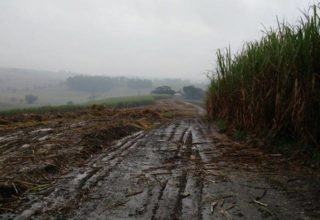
180,170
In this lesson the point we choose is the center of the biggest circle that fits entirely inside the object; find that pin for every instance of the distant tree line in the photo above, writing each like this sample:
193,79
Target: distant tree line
189,92
139,83
105,83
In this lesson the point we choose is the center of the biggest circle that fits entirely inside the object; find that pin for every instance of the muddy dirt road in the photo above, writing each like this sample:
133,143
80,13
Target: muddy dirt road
180,169
174,171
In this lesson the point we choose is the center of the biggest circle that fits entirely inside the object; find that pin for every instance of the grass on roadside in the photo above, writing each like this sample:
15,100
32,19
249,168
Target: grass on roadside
221,124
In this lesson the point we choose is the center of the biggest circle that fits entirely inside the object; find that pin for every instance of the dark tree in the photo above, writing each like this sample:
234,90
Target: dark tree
30,98
163,90
191,92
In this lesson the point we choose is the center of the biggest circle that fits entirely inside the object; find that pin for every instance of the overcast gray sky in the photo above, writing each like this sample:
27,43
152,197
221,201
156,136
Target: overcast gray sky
158,38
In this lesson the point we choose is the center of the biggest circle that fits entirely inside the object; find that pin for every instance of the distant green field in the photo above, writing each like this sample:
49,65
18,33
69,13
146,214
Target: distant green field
119,102
199,102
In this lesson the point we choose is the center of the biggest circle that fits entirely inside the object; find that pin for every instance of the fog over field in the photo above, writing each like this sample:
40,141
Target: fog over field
134,38
160,43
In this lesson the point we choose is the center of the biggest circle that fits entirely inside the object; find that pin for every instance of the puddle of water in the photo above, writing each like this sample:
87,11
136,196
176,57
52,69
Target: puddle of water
81,123
79,177
25,146
10,136
44,138
7,138
41,130
48,145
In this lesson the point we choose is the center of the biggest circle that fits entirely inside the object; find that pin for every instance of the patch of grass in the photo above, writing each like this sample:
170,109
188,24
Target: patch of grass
315,155
312,151
39,187
272,86
199,102
121,102
221,124
239,134
141,124
282,144
167,115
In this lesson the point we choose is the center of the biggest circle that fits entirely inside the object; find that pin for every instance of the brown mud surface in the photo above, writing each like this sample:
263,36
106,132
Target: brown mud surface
178,169
35,149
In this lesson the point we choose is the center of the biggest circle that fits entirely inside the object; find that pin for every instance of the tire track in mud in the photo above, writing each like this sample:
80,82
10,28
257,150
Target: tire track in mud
177,178
169,172
183,179
75,185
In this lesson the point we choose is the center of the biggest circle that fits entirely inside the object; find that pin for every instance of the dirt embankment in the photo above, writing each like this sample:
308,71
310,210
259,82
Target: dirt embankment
36,149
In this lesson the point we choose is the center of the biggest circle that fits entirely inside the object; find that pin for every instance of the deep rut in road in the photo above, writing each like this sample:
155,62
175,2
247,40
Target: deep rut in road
170,172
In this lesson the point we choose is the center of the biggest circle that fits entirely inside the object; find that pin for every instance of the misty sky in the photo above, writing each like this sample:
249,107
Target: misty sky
154,38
